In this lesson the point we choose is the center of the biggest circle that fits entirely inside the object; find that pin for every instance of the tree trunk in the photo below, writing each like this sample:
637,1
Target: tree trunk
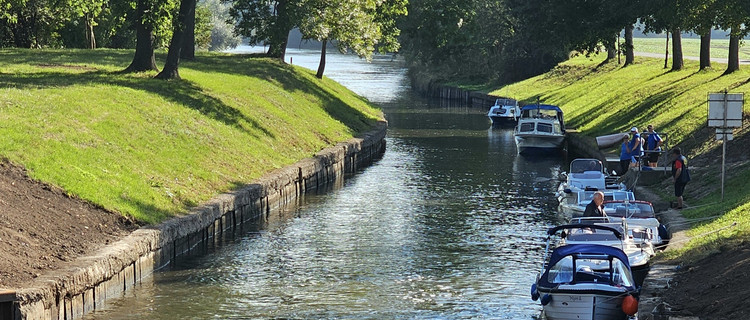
629,55
666,51
705,55
611,48
144,59
322,64
90,37
280,34
188,43
677,62
734,54
170,70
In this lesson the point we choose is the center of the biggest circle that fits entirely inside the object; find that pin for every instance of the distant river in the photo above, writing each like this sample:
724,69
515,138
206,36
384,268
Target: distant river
447,225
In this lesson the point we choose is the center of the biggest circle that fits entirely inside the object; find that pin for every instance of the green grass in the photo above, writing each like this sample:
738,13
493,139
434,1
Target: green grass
151,149
690,47
723,225
606,98
601,99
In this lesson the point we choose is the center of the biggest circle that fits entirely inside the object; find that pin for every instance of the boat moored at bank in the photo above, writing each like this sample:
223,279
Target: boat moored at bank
504,113
540,128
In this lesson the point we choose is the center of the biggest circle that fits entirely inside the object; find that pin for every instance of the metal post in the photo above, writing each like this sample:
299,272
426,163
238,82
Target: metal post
724,144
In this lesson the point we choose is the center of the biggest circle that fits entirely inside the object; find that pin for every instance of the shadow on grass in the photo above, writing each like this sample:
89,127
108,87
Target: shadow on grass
287,77
183,92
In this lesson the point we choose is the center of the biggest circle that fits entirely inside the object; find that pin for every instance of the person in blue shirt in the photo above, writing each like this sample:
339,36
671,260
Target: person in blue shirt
653,145
635,147
624,155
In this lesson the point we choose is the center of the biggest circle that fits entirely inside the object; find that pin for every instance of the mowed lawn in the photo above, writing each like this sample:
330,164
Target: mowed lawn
690,47
151,149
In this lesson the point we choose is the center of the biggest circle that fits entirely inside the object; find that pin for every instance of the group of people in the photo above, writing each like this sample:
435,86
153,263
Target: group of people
632,150
635,147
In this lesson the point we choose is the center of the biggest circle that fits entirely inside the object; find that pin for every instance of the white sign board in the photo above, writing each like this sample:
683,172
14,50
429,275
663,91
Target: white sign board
729,104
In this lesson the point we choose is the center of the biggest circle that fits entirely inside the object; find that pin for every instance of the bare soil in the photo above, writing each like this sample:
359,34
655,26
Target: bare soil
717,286
42,228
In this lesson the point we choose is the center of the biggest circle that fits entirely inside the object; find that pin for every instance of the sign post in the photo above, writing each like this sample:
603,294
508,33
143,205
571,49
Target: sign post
725,114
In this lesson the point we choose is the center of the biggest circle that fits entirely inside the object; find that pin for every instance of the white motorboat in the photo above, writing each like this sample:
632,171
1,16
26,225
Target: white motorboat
586,281
540,128
588,174
504,113
639,215
610,140
573,203
636,244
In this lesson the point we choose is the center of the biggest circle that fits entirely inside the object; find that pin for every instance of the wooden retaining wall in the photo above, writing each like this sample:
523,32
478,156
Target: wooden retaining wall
92,280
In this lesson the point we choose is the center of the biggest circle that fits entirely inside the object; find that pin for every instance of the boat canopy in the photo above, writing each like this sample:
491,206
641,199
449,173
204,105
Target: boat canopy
586,165
580,263
542,107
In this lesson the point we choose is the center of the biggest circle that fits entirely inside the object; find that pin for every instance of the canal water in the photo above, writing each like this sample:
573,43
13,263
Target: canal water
449,224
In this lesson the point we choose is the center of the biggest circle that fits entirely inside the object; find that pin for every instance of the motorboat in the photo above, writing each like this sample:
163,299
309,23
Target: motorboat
588,174
601,230
573,203
610,140
504,113
639,215
585,281
540,128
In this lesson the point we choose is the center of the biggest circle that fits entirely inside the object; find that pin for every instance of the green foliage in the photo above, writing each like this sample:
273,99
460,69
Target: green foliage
202,27
355,25
222,35
152,149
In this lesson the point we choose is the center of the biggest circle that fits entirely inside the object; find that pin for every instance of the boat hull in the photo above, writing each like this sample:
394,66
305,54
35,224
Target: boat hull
590,306
503,122
527,143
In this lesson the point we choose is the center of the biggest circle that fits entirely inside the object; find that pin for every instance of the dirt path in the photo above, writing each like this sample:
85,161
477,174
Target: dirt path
42,228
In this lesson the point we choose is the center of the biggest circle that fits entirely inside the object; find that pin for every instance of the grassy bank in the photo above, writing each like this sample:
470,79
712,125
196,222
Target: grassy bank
150,149
605,98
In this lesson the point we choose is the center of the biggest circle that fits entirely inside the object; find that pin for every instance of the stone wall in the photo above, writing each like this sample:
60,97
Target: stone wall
73,292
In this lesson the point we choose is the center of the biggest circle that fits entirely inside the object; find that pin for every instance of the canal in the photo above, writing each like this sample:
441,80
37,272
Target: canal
447,225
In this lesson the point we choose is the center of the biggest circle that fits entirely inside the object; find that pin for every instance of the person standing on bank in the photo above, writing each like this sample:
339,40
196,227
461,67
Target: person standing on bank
594,208
636,145
653,144
624,156
680,174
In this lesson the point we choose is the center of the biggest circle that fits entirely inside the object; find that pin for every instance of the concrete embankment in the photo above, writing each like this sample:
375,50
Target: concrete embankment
465,97
92,280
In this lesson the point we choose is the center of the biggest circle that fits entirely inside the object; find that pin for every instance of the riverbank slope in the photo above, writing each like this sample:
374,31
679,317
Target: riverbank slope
136,151
601,98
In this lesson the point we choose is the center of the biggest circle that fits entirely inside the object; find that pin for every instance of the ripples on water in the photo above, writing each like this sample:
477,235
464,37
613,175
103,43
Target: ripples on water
448,224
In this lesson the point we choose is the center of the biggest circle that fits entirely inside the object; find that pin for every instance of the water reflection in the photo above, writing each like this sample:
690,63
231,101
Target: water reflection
448,224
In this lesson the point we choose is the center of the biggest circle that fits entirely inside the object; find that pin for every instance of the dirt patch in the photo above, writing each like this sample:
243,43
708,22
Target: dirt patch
42,228
714,288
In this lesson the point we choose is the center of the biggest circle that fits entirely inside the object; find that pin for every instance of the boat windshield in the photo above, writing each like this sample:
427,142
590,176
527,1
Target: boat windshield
629,210
621,275
585,165
540,113
562,271
602,270
590,235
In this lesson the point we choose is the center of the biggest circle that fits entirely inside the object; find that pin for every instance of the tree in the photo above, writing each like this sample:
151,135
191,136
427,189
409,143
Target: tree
266,21
181,21
670,16
355,25
702,20
88,11
629,54
188,42
221,22
734,16
150,18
